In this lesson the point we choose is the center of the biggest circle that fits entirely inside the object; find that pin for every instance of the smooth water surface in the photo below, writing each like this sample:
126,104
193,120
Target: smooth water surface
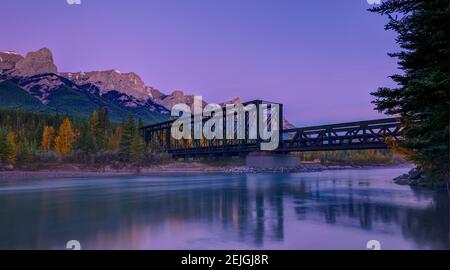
340,209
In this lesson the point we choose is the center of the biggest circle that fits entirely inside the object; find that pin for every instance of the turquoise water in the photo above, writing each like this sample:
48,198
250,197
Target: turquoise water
340,209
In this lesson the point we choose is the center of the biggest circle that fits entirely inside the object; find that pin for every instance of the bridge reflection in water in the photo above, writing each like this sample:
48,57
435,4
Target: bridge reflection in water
372,134
323,210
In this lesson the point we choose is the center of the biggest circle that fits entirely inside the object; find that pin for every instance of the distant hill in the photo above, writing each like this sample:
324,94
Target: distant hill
15,98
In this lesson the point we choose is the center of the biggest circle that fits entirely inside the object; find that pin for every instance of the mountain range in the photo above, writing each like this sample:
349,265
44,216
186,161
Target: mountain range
33,83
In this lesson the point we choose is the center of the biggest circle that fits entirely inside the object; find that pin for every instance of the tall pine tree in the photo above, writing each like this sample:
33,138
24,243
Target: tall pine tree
103,119
126,140
137,147
85,142
100,127
422,94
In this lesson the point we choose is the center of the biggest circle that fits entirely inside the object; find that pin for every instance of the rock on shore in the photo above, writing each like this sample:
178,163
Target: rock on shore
414,177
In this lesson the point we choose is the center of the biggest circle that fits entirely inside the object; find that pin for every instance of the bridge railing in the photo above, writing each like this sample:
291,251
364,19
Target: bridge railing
353,135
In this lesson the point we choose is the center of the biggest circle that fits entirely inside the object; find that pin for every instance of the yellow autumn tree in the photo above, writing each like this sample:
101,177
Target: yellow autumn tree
48,136
11,138
8,147
397,149
66,138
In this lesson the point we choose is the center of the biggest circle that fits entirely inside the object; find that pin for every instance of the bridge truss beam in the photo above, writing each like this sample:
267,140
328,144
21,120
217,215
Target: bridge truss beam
373,134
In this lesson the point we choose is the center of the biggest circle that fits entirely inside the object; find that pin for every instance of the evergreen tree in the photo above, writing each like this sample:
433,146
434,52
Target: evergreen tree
65,139
128,132
104,126
422,94
137,147
94,128
99,122
85,142
26,151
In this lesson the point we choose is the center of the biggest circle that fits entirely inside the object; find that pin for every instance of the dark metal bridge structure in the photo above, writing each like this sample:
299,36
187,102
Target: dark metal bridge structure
361,135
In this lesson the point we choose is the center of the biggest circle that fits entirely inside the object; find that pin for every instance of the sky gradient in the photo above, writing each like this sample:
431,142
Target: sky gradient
321,58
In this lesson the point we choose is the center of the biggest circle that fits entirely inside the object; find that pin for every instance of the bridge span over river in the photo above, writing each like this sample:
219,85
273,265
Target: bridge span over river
371,134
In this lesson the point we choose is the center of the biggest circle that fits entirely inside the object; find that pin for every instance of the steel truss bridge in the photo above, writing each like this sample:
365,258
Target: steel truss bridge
372,134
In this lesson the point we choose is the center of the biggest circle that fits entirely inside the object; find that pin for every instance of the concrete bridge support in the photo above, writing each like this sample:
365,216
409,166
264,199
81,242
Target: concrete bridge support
267,160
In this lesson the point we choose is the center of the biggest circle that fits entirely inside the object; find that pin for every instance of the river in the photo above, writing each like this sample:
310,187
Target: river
337,209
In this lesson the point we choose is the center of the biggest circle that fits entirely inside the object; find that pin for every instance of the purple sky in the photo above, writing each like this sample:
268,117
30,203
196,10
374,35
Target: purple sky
321,58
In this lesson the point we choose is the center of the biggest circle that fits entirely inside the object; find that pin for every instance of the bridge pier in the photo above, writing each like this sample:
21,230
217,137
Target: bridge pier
266,160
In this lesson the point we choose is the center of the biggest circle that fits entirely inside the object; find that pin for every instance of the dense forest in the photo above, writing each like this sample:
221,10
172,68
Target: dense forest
27,138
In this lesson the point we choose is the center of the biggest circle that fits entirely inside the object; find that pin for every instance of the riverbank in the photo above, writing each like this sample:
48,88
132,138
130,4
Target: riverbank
76,170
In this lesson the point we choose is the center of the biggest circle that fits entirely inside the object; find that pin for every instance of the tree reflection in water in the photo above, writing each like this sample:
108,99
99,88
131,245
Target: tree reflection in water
221,211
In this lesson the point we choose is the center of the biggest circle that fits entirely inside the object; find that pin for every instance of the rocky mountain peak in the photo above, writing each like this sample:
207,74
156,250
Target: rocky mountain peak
8,60
175,97
113,80
177,94
35,63
236,101
156,94
233,101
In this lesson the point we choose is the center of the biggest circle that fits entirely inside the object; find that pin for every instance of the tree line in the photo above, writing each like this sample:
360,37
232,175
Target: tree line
34,137
353,157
